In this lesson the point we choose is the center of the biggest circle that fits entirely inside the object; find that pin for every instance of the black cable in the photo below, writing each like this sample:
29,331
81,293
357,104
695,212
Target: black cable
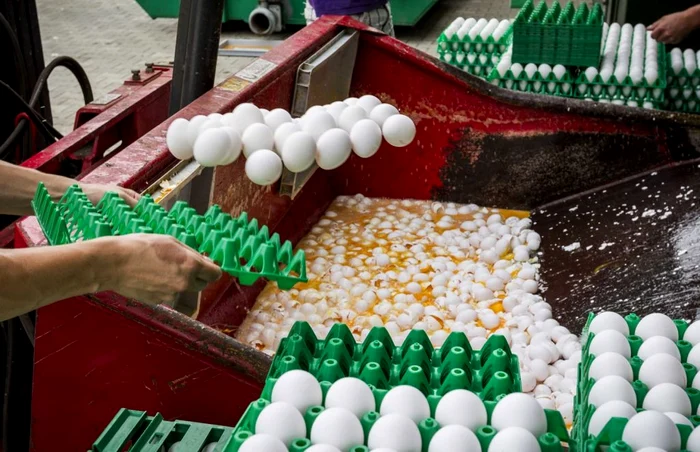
19,60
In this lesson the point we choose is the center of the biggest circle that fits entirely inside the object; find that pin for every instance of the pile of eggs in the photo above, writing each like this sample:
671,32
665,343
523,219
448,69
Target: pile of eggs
269,140
666,403
403,411
408,264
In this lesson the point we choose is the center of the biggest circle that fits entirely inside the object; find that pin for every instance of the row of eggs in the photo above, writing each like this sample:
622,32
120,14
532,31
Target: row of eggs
270,139
518,418
472,28
623,57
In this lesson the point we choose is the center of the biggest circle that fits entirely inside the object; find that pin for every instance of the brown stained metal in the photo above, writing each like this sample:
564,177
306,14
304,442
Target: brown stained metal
639,247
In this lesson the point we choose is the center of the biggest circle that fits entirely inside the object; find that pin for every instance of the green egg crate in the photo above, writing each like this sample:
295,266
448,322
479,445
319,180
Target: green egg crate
612,433
134,431
492,373
550,85
239,246
477,45
558,35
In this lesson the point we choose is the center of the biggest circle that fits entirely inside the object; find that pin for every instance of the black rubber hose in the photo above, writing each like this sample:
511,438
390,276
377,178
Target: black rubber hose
80,75
17,54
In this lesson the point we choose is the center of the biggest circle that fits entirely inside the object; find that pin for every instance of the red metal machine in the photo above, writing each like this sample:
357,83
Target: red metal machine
475,143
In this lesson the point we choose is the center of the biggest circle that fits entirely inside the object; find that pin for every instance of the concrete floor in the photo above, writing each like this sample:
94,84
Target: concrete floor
111,37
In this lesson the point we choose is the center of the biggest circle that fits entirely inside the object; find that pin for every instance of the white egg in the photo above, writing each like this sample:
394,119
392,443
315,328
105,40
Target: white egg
257,443
512,439
658,344
283,132
257,136
174,448
193,128
322,448
407,401
366,138
530,70
210,123
212,147
245,115
313,110
318,123
610,388
333,149
519,410
609,320
177,139
336,109
350,116
591,73
610,341
652,429
399,130
693,443
218,116
558,70
656,325
694,356
299,388
211,447
283,421
454,438
606,411
264,112
263,169
299,152
610,363
277,117
678,418
667,397
692,333
337,427
368,102
380,113
352,394
236,145
395,431
662,368
461,407
351,101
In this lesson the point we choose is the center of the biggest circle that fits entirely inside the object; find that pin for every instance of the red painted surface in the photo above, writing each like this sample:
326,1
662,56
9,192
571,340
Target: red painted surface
137,110
139,351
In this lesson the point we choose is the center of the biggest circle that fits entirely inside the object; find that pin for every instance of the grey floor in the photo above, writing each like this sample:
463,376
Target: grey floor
111,37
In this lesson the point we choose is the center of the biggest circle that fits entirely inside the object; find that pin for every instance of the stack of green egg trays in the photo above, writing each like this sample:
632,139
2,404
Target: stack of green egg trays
612,433
491,373
477,57
556,35
550,85
682,89
625,91
241,247
134,431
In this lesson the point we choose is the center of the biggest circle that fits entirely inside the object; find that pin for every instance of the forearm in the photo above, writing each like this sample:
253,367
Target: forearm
18,185
693,15
35,277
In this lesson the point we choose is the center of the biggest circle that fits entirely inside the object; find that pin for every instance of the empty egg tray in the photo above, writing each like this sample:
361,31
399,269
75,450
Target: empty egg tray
611,435
241,247
491,372
556,35
136,432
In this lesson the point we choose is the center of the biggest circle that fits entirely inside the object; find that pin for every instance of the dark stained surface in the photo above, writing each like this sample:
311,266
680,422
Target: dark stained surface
639,247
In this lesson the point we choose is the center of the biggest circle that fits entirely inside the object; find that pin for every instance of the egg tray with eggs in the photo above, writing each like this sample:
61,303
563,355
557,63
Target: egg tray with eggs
622,373
241,247
482,36
543,80
557,35
683,78
477,64
144,433
390,375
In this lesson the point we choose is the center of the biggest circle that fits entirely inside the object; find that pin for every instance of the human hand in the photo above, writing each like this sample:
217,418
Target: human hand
672,28
95,192
155,268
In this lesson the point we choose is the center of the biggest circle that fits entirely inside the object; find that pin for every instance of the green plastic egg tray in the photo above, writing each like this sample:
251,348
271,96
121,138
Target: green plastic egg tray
240,246
612,433
134,431
492,373
558,35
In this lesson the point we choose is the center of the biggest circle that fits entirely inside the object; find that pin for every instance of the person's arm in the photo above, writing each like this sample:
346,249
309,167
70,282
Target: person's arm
673,28
148,267
18,185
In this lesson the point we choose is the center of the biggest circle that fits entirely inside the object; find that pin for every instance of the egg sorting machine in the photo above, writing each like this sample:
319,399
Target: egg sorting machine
569,162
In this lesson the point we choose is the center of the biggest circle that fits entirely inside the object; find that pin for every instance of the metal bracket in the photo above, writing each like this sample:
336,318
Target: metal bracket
322,79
